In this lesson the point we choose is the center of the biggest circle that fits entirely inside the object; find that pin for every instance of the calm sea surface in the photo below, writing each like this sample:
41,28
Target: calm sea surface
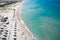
42,17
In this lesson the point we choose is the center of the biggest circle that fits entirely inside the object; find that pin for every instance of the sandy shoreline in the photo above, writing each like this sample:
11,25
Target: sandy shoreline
28,30
16,23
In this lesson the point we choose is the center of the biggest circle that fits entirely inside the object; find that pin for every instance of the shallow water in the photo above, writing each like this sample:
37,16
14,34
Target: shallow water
42,17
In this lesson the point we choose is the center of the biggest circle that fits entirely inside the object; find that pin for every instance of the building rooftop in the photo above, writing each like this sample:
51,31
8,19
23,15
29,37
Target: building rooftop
11,0
8,2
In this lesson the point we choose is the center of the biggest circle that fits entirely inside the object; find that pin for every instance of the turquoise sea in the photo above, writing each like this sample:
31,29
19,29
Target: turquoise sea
42,17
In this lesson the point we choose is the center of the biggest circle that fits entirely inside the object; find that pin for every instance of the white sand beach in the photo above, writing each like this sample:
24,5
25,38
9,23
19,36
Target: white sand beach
16,28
